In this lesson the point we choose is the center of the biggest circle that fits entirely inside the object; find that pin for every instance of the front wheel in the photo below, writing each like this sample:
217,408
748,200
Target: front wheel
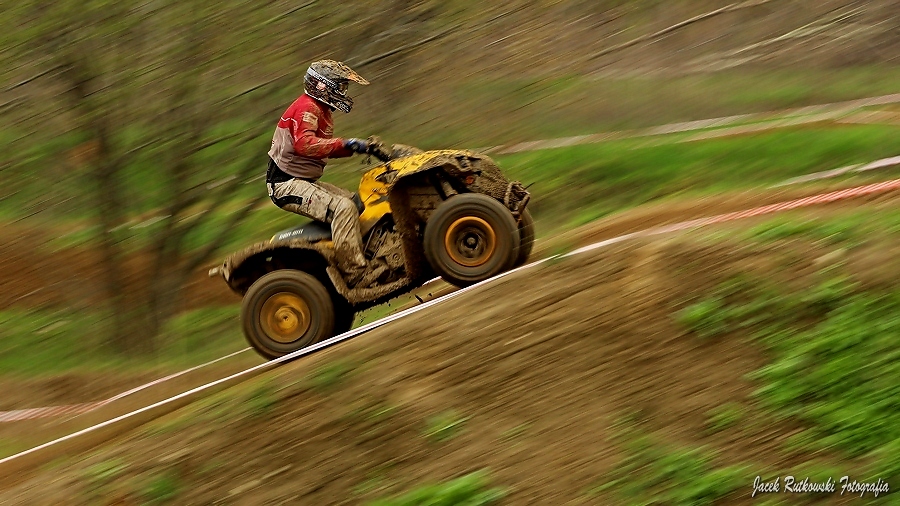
285,311
469,238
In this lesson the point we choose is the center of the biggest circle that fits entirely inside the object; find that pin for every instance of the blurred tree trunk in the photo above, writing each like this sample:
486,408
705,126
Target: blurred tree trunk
105,166
82,79
105,85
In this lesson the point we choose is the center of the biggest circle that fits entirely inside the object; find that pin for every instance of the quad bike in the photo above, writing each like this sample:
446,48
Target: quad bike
450,213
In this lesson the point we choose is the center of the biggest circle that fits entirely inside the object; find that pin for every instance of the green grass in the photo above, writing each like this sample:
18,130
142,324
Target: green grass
444,426
724,416
102,476
833,366
469,490
261,400
203,332
655,473
329,376
162,488
847,229
36,342
831,345
706,318
839,376
577,184
785,88
527,108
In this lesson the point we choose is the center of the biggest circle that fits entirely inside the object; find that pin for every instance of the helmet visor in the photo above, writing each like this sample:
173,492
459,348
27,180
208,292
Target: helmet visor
338,86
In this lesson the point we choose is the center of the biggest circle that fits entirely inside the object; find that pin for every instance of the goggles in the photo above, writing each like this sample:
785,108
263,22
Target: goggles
340,87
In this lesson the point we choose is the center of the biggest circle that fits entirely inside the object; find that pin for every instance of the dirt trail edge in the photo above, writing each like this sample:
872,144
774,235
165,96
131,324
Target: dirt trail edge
568,287
529,377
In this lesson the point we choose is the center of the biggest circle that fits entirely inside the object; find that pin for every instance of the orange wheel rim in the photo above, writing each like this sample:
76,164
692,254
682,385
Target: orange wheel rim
470,241
285,317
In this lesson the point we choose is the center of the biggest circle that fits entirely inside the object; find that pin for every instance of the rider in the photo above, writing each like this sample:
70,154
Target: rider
300,149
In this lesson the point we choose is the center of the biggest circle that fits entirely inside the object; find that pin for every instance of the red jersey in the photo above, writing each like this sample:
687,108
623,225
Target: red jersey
303,140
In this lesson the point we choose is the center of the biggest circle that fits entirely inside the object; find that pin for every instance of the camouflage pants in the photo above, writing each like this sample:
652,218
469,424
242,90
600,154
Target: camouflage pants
330,204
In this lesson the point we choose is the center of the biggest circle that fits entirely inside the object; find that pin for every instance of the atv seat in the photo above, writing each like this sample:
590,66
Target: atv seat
313,230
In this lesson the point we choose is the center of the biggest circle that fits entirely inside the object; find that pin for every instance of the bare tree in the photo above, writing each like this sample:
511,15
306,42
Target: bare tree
143,70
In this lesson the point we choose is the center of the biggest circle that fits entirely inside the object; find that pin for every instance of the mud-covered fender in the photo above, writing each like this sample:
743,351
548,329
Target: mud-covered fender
458,163
241,268
478,173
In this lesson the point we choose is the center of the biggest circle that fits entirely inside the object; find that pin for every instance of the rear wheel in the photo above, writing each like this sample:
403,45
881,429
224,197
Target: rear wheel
526,241
285,311
469,238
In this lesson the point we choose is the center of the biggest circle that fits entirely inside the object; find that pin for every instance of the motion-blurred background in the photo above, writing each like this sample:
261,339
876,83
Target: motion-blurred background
135,134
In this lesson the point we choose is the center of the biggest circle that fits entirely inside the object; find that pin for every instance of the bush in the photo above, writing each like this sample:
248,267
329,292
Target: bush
468,490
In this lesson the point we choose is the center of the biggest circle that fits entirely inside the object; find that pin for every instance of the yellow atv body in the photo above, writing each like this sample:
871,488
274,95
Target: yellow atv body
448,212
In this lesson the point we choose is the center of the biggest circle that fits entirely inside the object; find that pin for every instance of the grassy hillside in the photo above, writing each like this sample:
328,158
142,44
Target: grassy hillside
672,370
444,74
571,187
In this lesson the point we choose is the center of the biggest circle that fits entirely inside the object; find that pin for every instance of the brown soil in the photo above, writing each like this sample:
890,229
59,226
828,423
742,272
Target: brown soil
74,388
538,367
68,388
33,277
41,276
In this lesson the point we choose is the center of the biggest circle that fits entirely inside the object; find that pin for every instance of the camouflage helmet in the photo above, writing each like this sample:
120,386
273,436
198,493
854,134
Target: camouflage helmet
327,81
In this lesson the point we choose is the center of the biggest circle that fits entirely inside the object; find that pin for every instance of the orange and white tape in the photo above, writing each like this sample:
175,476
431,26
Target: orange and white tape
172,402
824,198
18,415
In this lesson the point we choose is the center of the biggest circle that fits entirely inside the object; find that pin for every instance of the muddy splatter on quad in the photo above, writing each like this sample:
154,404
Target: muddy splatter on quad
448,212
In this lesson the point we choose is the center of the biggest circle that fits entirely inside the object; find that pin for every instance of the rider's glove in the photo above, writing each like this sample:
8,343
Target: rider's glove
357,145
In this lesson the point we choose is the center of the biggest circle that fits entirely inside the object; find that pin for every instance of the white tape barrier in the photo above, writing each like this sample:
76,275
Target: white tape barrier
758,211
69,410
825,174
77,409
262,367
778,119
770,120
18,415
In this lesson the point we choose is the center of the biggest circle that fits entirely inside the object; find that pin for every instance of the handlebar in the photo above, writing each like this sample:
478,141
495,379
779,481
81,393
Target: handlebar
379,150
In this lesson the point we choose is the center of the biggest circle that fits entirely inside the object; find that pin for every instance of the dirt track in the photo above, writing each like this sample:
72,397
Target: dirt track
537,369
85,387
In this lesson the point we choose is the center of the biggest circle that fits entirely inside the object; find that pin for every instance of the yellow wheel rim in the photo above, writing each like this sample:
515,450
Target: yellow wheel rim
470,241
285,317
